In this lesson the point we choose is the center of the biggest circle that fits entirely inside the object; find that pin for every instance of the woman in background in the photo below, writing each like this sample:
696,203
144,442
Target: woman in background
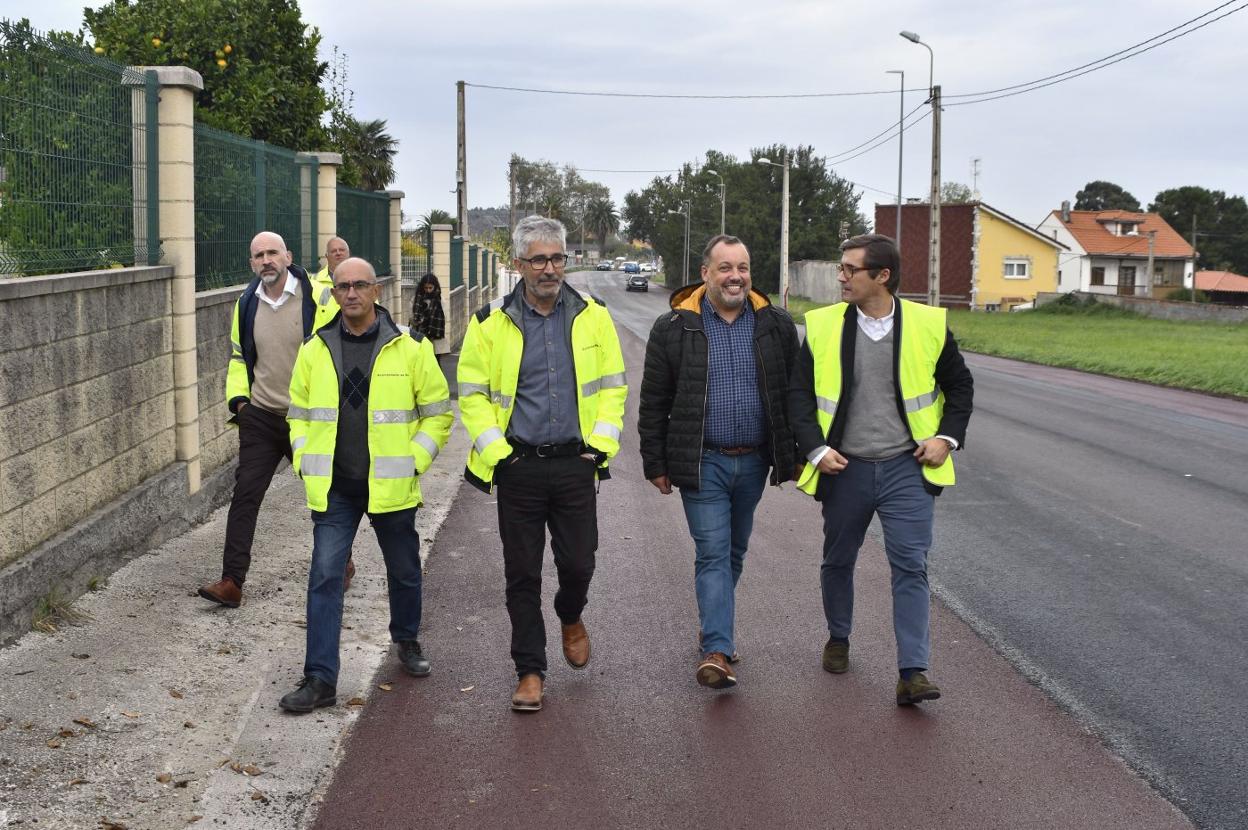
427,316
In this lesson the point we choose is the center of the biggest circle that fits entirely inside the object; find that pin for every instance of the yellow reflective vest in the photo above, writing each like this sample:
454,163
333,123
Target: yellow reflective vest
319,306
409,415
922,339
489,372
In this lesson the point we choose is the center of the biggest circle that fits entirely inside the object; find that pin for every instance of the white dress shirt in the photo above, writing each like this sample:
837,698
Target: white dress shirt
291,289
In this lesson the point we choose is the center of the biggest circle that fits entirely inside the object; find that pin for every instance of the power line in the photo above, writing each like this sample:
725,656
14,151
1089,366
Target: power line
887,129
600,94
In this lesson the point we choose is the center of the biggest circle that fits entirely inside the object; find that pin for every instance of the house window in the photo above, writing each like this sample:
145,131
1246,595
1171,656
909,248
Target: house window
1017,269
1098,275
1127,228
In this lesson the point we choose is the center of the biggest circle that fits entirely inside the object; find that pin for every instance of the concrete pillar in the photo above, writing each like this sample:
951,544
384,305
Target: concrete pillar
176,125
396,244
326,202
440,265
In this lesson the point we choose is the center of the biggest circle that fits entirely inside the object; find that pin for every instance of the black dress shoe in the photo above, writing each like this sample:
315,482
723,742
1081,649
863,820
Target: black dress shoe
414,663
311,693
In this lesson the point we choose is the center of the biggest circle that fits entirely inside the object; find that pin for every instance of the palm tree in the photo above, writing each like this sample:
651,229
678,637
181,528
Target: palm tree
436,217
368,152
603,220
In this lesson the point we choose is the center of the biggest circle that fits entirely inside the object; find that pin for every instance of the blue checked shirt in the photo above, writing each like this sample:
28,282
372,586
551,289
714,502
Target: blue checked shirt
734,407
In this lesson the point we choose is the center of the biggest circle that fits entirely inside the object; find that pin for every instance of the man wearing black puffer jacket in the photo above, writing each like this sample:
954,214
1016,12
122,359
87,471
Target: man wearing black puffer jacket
713,421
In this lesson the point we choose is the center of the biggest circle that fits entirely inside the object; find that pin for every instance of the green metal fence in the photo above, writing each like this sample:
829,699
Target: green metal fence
77,160
364,221
457,261
243,187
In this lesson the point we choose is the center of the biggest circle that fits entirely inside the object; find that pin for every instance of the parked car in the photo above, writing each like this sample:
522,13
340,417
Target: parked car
647,267
605,265
637,282
632,268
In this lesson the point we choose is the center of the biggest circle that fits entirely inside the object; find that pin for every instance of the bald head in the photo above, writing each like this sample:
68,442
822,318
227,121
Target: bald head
336,251
355,268
269,258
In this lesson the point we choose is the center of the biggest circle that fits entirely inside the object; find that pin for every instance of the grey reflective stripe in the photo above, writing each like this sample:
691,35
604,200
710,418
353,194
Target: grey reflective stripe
466,389
394,416
608,430
319,413
922,401
237,359
827,405
502,400
617,379
298,442
237,347
428,410
486,438
325,295
816,452
316,465
591,388
394,466
426,441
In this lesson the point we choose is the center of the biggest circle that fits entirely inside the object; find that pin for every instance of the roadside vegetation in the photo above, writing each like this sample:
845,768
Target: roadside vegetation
1207,357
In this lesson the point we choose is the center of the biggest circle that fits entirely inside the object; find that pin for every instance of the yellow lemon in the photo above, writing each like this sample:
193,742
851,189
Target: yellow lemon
99,50
221,63
228,48
156,41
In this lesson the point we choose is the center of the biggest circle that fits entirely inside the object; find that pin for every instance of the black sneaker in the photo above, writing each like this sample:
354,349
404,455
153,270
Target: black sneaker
414,663
312,693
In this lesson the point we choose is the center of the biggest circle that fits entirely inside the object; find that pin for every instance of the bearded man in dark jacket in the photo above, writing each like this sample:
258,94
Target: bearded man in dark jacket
713,422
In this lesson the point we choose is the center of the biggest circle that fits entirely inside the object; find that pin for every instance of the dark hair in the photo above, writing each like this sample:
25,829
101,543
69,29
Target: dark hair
881,252
715,240
428,279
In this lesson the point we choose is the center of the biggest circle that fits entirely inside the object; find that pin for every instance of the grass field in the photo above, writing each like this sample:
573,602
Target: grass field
1208,357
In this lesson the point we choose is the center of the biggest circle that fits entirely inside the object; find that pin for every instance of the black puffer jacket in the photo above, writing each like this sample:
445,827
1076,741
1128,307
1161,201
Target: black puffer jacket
671,413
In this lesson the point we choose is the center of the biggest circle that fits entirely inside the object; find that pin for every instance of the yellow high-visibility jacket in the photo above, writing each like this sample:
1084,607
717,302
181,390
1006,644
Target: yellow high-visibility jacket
319,306
922,341
489,372
409,414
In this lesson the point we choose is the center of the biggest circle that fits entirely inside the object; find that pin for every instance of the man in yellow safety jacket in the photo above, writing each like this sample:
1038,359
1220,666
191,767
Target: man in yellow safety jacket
541,393
879,398
369,411
336,252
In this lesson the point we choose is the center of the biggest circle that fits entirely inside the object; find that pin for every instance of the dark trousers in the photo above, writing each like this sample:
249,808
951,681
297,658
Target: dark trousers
263,440
533,494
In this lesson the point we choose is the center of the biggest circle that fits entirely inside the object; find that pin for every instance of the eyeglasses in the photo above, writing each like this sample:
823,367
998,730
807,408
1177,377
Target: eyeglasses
849,270
539,262
359,285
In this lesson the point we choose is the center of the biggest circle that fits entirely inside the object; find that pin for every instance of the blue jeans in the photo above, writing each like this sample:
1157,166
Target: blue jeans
720,516
893,489
332,535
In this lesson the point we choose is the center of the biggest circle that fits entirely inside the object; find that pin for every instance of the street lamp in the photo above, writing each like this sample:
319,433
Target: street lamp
721,198
901,118
784,226
933,267
684,264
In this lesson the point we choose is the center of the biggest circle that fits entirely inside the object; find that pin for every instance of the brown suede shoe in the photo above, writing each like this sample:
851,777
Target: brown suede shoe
346,583
714,671
576,645
528,696
223,592
735,657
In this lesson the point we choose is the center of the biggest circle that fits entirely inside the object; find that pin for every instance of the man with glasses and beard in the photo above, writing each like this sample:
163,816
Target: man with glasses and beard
541,393
713,422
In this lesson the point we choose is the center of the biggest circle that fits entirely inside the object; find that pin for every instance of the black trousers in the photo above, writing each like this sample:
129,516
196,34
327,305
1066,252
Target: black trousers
533,494
263,440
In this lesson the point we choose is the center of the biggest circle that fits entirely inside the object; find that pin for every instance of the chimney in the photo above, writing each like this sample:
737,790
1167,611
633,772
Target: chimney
1066,211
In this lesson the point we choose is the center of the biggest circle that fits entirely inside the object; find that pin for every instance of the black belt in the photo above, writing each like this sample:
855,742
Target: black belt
523,450
735,450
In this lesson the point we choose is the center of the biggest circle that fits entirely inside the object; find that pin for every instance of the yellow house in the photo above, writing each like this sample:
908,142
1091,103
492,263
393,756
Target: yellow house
1012,261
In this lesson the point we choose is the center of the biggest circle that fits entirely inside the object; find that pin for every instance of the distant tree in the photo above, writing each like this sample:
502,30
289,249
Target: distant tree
1101,195
1221,221
955,193
257,58
368,153
437,217
602,220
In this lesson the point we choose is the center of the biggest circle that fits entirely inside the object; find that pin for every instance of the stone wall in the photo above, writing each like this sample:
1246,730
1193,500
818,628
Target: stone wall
815,280
457,318
86,396
214,313
1162,309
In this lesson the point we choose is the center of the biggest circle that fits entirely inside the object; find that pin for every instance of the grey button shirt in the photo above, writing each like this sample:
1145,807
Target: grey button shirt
545,411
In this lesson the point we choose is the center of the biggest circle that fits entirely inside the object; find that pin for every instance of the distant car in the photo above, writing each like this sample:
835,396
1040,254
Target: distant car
637,283
632,268
647,267
605,265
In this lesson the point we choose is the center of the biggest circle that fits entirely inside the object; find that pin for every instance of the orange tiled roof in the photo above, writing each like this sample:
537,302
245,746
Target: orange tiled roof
1087,228
1221,281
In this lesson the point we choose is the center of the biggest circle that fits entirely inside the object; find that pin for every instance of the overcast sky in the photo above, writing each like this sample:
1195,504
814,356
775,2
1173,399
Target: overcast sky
1174,116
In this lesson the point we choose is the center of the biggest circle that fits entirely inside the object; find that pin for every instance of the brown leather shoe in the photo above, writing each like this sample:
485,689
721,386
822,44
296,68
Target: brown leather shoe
346,583
223,592
715,672
576,645
528,696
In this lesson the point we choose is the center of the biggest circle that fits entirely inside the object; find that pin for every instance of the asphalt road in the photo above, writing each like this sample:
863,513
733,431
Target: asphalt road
1096,537
634,742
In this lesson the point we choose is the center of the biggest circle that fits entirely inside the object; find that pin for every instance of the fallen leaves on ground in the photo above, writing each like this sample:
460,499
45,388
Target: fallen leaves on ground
77,781
165,777
66,732
54,743
468,688
84,721
80,656
258,795
109,824
132,715
356,701
249,769
386,687
174,693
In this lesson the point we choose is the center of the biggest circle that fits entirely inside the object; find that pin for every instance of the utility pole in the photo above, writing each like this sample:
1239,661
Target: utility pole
784,233
461,171
1193,254
975,179
901,143
1152,239
933,274
686,264
511,217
